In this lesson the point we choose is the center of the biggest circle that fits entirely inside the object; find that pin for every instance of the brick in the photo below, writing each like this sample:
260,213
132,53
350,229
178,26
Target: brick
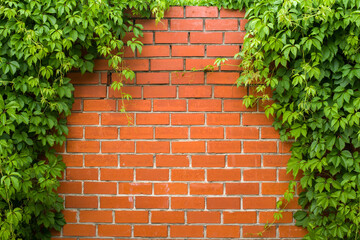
146,39
170,188
236,106
99,105
86,78
136,133
79,230
187,175
70,187
200,64
223,119
167,217
223,174
112,230
136,160
134,188
240,217
96,216
136,105
259,202
232,65
169,105
285,147
292,231
221,24
115,118
100,188
131,216
265,217
73,160
107,174
152,78
101,161
187,119
206,188
243,23
186,24
229,13
186,231
172,161
101,65
224,147
284,176
275,160
242,188
116,202
229,92
274,188
208,161
187,203
269,133
188,51
81,202
259,174
75,132
171,132
206,132
187,77
206,105
222,50
171,37
77,105
223,231
81,174
195,91
150,231
222,78
174,12
256,119
90,92
137,64
167,64
203,12
159,92
260,147
83,119
118,146
134,91
101,132
70,216
242,133
223,203
150,24
153,147
250,232
206,37
203,217
244,160
152,119
59,148
152,174
152,202
188,147
293,204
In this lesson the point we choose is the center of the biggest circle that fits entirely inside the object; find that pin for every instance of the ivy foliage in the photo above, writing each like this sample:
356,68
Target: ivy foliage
40,42
308,52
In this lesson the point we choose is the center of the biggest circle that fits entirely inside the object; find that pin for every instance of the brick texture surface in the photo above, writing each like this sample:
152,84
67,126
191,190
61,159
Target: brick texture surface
188,160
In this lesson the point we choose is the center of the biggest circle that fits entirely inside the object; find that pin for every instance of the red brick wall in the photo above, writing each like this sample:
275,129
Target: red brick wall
195,164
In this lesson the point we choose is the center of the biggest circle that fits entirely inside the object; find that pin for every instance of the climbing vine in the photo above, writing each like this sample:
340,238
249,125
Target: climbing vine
308,53
40,42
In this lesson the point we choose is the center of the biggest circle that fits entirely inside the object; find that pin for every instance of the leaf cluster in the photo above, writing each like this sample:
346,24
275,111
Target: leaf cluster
308,52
